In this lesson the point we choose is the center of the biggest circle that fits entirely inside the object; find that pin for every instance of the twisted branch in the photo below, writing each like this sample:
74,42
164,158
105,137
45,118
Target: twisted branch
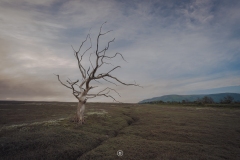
88,74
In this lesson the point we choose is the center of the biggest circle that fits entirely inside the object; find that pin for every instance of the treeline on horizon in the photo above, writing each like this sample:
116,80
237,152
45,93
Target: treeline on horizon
205,100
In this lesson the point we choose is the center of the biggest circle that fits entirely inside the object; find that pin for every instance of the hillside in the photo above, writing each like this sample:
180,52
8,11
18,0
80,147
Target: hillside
178,98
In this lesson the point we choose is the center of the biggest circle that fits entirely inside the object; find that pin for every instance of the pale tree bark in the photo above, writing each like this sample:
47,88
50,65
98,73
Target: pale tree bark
80,91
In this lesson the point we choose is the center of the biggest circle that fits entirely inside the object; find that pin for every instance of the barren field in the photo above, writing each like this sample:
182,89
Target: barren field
40,130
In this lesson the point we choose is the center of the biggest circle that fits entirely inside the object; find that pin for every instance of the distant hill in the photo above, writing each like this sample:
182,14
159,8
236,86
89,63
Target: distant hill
178,98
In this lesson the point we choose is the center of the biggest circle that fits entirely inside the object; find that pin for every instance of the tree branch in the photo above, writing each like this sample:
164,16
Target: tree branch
81,68
104,94
108,75
115,56
110,81
89,73
97,52
75,92
62,82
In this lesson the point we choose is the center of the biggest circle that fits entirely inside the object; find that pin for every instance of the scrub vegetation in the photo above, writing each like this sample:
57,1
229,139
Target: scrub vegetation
40,130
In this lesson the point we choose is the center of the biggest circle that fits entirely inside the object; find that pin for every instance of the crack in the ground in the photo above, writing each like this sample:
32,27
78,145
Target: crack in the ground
134,120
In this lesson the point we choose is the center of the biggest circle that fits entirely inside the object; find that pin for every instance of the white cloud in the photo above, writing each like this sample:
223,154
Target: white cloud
169,48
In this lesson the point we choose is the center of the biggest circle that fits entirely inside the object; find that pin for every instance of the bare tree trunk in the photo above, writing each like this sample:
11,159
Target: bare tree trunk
80,111
91,74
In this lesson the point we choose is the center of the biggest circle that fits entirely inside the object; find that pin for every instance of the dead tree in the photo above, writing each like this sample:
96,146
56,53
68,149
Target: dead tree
90,74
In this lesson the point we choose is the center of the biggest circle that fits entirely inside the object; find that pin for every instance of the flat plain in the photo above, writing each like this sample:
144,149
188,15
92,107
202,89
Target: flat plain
44,130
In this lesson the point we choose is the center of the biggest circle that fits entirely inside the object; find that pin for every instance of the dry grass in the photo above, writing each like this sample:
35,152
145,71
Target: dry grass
45,131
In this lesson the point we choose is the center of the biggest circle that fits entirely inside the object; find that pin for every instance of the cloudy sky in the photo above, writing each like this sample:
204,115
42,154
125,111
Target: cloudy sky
171,47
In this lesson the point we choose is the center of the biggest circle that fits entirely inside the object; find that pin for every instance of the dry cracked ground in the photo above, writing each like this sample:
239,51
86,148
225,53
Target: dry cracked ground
41,130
